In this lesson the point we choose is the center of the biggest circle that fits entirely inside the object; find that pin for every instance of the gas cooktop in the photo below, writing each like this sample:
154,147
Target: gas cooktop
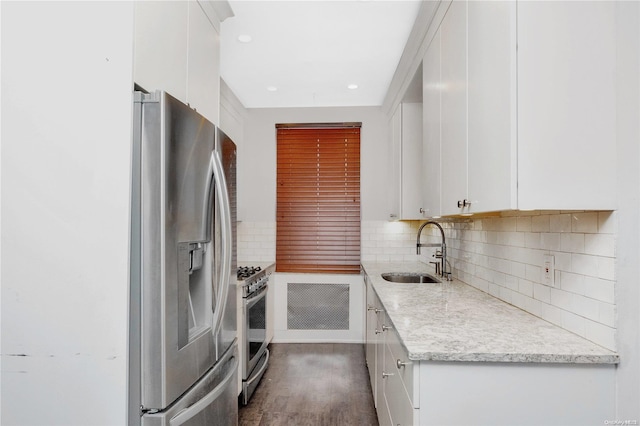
245,272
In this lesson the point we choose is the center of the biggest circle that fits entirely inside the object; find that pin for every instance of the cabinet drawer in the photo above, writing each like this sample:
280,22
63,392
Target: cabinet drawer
401,410
404,368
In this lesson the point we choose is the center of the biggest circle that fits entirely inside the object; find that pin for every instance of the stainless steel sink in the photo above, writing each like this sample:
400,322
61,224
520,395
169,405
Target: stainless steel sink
409,277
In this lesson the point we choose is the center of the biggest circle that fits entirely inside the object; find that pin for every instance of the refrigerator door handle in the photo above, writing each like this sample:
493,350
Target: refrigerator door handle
185,415
227,243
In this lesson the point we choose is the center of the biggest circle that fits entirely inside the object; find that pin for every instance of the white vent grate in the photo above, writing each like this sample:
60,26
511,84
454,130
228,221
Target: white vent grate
314,306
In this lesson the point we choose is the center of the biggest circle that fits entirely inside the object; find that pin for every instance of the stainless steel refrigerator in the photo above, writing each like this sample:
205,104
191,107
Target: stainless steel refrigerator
182,347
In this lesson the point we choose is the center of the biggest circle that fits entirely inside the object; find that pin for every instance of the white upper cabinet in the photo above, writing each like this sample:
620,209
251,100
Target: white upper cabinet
203,84
405,192
527,107
394,152
431,96
453,66
492,107
160,47
177,49
411,183
566,105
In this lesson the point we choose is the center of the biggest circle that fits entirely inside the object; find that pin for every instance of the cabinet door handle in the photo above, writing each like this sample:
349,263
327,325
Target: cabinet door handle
400,364
463,203
378,331
385,327
385,375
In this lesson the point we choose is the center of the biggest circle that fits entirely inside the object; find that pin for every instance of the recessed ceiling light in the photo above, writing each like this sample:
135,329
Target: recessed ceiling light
272,88
352,86
244,38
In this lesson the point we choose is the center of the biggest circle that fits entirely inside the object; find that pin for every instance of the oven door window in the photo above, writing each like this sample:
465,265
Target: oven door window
257,324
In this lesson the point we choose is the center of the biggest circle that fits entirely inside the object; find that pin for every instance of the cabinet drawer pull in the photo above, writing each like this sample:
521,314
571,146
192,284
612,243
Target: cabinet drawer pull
385,375
377,331
385,327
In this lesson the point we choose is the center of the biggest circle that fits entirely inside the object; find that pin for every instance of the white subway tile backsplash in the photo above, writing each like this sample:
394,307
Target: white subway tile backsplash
503,256
599,244
525,287
523,224
542,293
606,268
584,264
560,223
607,222
607,314
599,289
540,223
574,323
550,241
574,283
532,240
533,273
600,334
572,242
552,314
586,222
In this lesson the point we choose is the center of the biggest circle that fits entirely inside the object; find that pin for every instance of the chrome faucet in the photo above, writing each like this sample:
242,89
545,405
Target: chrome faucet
442,254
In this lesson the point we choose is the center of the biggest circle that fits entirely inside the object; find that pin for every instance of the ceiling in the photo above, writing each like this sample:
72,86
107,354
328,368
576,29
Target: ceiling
306,53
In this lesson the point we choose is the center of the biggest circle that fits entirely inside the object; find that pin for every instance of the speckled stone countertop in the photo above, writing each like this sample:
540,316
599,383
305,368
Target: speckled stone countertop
453,321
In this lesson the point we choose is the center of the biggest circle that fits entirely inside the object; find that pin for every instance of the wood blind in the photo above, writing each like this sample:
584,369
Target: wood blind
318,200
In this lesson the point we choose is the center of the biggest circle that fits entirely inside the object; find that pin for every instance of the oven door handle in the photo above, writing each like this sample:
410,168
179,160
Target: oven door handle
259,373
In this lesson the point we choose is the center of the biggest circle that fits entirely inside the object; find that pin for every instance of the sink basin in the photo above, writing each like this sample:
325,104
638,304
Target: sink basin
409,277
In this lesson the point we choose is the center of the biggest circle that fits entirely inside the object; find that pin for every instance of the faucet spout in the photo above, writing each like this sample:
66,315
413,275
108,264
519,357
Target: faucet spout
443,253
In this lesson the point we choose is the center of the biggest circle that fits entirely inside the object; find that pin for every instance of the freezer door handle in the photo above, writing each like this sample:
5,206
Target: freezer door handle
185,415
227,244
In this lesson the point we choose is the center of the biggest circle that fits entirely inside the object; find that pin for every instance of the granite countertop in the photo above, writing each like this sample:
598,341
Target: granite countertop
452,321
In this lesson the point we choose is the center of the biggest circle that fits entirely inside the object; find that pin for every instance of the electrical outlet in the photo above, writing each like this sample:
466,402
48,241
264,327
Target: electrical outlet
549,270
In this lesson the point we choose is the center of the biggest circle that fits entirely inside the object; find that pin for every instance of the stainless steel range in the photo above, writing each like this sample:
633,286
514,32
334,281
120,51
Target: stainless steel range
256,355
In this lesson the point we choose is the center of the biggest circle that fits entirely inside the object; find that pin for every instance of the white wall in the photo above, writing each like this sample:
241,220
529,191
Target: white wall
66,115
257,158
628,191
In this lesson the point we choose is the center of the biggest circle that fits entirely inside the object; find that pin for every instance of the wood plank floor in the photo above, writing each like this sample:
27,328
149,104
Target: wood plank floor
312,384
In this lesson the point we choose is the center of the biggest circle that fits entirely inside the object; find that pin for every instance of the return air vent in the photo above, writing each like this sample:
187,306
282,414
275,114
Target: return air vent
313,306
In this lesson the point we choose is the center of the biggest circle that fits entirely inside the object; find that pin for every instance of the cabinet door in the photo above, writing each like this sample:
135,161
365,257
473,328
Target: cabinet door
492,173
371,338
411,154
454,107
400,407
393,181
160,49
381,405
204,64
431,155
566,105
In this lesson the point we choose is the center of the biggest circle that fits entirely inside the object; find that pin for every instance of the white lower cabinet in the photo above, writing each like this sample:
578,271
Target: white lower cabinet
479,393
401,410
394,379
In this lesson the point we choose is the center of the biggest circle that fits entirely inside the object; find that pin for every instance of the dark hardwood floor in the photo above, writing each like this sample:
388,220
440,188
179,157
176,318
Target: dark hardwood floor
312,384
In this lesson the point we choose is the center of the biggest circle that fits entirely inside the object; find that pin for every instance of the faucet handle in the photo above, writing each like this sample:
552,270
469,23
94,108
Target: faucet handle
437,266
438,254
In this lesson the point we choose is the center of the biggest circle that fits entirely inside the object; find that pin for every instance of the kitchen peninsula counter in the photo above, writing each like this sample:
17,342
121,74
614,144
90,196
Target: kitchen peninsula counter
453,321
